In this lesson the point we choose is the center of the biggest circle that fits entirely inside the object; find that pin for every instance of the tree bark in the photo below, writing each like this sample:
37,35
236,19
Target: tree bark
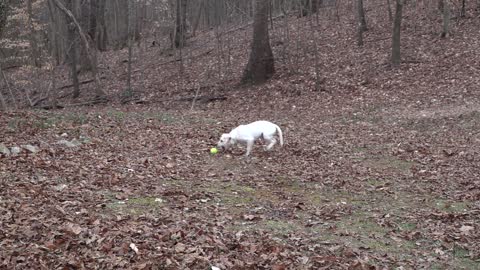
260,65
396,34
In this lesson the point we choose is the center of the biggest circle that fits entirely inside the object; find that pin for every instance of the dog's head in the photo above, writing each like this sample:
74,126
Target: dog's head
225,141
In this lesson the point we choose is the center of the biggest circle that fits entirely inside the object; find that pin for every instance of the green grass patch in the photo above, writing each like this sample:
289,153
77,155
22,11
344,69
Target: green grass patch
117,115
451,206
388,162
162,117
279,227
135,206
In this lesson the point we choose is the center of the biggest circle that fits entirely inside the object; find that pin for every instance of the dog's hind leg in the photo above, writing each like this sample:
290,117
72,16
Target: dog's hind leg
271,142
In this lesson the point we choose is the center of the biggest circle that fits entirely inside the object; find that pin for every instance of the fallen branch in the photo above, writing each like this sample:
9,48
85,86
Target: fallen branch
82,82
203,99
195,98
99,100
51,106
172,61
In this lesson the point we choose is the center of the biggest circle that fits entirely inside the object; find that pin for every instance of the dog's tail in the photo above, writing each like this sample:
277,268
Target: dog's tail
280,135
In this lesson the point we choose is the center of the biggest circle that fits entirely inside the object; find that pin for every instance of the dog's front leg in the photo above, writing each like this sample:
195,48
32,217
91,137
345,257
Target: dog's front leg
249,147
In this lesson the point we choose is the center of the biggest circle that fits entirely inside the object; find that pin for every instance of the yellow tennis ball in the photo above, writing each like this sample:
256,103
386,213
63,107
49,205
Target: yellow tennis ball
213,150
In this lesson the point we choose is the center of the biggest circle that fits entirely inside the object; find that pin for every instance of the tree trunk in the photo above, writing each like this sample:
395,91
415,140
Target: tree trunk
54,40
12,96
260,65
3,102
389,7
101,26
32,40
128,91
97,29
121,17
197,18
82,13
286,40
308,7
362,24
359,35
180,26
396,34
313,29
361,16
72,51
3,15
446,19
92,29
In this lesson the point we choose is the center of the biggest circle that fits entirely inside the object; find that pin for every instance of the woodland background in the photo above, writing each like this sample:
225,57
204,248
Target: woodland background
109,108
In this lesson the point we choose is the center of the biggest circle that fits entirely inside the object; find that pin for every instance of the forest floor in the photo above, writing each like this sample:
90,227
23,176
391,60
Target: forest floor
380,169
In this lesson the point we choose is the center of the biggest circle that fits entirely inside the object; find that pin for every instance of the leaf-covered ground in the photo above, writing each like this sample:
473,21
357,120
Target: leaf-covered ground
380,170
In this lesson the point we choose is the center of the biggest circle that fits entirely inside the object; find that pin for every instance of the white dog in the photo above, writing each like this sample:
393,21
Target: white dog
249,133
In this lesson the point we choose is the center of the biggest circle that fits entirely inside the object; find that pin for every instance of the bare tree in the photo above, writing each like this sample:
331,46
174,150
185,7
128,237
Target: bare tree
260,65
308,7
396,34
389,8
55,43
72,51
286,39
362,23
129,91
12,96
35,54
313,29
3,14
3,22
361,16
444,6
98,91
181,23
98,28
